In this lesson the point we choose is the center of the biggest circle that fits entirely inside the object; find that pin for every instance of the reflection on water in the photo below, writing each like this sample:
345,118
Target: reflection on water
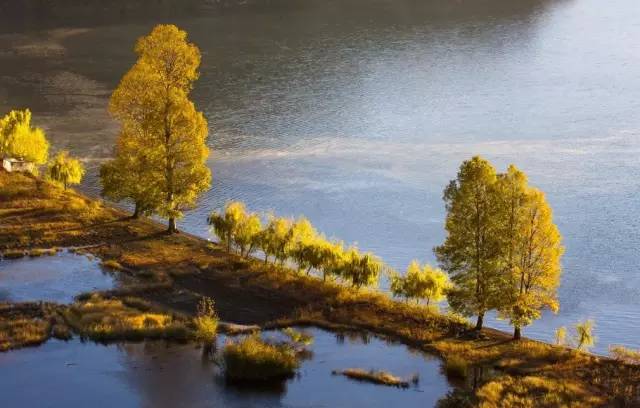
55,278
357,113
158,374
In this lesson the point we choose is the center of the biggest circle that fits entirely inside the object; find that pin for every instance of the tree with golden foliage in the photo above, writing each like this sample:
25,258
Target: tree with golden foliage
531,247
470,253
19,139
163,125
420,282
236,227
65,170
127,176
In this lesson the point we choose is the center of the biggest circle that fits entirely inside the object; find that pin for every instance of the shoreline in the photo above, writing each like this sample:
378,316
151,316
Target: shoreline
173,271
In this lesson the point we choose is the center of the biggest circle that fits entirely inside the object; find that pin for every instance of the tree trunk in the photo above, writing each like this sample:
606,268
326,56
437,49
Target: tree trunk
172,226
516,333
136,212
479,321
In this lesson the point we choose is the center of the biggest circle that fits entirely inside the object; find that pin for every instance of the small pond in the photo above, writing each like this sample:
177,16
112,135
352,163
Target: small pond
56,278
160,374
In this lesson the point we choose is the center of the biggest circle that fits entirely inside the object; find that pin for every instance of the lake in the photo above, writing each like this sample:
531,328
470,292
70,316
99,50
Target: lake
58,278
357,113
161,374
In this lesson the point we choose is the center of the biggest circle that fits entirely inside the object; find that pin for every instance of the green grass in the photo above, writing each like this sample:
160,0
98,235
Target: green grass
253,360
376,377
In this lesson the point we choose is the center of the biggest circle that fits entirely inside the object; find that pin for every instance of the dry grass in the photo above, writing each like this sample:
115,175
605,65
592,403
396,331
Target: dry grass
103,319
28,324
375,377
251,359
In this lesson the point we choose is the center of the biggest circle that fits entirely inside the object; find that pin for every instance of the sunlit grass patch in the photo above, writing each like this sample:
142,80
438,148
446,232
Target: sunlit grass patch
376,377
112,264
14,254
23,332
252,359
27,324
534,392
43,252
624,354
111,319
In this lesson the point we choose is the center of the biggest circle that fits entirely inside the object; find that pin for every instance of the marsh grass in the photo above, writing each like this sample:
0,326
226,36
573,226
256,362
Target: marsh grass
206,320
254,360
103,319
27,324
34,253
14,254
376,377
456,367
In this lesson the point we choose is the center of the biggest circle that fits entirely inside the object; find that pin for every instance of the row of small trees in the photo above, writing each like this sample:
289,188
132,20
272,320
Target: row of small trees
297,241
284,240
19,139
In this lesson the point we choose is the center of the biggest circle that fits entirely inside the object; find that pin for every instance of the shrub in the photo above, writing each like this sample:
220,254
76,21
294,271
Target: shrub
206,321
298,336
252,359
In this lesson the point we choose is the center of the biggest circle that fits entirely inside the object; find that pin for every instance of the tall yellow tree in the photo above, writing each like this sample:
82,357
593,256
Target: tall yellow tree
19,139
532,249
470,253
152,102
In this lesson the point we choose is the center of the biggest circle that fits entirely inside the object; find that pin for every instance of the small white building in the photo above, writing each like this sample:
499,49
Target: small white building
11,164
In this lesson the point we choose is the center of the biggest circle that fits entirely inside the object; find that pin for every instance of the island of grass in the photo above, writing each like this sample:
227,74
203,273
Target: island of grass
253,360
376,377
173,272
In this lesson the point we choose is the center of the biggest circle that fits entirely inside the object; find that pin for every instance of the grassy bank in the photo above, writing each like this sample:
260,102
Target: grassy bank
175,271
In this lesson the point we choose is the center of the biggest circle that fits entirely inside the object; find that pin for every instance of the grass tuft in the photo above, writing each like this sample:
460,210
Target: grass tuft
253,360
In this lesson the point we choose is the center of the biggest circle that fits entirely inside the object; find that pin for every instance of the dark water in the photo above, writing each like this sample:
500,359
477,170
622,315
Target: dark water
55,278
357,113
157,374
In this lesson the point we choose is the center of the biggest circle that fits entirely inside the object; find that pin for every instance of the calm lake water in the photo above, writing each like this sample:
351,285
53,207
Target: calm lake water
357,113
159,374
57,278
